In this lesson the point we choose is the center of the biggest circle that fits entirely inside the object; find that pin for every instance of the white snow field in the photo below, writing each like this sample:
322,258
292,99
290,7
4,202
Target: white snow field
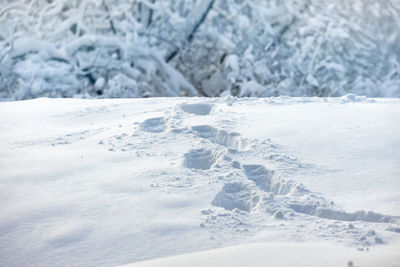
267,182
278,254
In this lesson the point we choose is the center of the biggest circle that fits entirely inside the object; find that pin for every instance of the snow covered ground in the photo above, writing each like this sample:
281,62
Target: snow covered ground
113,182
279,254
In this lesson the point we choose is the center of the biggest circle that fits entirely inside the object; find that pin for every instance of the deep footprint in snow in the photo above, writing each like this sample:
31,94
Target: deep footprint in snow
267,181
153,125
197,109
272,194
221,137
236,196
200,159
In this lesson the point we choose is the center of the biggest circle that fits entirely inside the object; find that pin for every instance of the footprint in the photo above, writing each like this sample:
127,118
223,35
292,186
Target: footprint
197,109
237,195
199,159
280,194
260,176
153,125
268,182
221,137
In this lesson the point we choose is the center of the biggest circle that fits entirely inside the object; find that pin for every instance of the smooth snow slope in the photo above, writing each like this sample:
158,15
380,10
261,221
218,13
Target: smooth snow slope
279,255
111,182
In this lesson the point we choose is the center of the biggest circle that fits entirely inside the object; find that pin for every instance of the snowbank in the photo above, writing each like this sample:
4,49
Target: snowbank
112,182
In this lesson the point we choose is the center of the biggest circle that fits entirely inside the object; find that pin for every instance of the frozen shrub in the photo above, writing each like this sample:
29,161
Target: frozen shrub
141,48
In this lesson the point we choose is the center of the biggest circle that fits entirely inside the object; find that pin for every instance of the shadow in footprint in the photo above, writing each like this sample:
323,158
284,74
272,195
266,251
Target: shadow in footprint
221,137
153,125
197,109
199,159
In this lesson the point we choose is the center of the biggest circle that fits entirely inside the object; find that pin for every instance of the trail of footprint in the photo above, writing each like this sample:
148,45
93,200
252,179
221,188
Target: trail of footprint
262,191
282,194
236,195
221,137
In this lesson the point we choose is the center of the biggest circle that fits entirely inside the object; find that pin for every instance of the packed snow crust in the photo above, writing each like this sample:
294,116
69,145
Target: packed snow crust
113,182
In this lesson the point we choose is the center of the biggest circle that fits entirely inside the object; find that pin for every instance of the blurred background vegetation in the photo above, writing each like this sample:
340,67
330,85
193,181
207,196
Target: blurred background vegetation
149,48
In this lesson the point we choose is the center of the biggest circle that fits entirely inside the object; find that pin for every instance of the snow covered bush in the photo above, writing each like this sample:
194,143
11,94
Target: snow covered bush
77,48
142,48
302,48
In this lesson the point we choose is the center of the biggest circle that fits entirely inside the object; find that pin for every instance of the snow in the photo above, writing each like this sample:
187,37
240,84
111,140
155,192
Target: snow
270,254
275,181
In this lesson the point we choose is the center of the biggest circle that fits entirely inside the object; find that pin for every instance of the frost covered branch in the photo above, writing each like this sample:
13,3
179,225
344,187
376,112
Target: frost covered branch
140,48
198,16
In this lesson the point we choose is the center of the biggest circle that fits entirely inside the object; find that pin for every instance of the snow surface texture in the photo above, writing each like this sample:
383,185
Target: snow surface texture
279,255
111,182
142,48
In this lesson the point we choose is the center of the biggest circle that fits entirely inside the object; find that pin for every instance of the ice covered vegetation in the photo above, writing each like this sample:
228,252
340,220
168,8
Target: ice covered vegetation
214,182
142,48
